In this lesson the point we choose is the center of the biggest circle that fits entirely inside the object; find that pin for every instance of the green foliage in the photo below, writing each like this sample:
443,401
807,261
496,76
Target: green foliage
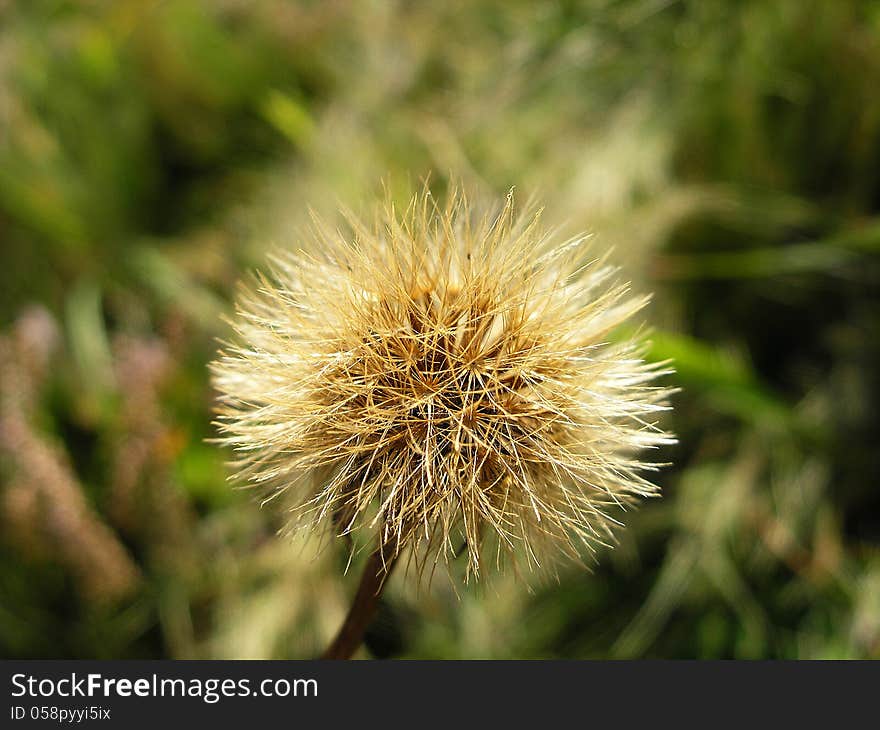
150,153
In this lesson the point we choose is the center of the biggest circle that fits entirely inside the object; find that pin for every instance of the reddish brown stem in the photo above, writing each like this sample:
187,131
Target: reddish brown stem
363,607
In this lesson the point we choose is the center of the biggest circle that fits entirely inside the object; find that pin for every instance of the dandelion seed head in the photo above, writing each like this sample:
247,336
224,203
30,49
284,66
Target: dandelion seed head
446,381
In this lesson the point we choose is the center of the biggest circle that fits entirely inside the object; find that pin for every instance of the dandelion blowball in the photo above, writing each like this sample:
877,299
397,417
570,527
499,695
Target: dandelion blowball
446,382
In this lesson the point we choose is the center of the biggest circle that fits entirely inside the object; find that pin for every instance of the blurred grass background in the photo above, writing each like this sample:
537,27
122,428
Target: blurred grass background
151,152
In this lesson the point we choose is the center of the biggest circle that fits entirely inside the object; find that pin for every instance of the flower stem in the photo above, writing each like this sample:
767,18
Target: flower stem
364,605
